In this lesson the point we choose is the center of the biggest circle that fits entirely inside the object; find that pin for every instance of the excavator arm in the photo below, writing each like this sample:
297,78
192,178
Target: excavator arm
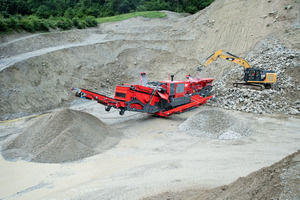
253,78
230,57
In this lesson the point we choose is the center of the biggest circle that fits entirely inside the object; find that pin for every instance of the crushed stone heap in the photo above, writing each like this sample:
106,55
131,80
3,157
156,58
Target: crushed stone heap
63,136
215,124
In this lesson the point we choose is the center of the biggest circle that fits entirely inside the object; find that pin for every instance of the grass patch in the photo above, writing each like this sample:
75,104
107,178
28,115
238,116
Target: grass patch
147,14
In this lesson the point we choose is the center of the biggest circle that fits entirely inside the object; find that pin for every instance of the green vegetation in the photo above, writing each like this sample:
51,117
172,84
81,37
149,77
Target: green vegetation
41,15
32,23
148,14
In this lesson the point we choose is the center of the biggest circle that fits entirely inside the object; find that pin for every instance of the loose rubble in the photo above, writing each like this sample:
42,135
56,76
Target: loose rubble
284,95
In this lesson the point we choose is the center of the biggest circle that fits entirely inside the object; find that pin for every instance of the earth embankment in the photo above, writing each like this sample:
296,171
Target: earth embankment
278,181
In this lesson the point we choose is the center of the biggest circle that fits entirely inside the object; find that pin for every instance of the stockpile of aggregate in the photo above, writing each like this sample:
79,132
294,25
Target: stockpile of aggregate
215,124
63,136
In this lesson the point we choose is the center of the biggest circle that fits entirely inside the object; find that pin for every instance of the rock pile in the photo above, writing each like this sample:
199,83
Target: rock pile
258,102
63,136
284,95
215,124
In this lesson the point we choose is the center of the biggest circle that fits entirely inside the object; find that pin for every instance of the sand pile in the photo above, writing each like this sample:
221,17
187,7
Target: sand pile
215,124
64,136
279,181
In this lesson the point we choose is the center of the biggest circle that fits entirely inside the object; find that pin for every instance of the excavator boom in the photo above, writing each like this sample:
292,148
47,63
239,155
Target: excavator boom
229,57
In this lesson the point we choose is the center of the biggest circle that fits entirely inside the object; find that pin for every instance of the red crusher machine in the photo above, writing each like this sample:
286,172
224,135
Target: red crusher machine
162,98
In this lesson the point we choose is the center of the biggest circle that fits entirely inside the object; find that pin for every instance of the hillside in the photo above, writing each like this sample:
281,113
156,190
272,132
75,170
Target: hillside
37,71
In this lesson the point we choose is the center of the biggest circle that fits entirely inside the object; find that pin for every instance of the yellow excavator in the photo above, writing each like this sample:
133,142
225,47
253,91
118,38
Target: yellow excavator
254,78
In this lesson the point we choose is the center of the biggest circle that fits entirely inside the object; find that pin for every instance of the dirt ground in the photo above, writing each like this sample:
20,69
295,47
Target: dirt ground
154,159
278,181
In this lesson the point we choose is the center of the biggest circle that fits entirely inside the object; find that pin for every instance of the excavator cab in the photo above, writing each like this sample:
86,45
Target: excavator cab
258,75
252,75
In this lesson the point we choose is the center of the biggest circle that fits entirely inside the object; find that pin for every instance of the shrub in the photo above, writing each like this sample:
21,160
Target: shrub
91,21
64,24
52,22
75,22
69,13
192,9
43,11
44,25
19,17
3,25
69,23
82,24
36,22
13,23
27,25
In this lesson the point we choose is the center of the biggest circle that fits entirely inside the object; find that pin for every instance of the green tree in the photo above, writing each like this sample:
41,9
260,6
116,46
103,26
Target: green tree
3,24
69,13
59,13
43,11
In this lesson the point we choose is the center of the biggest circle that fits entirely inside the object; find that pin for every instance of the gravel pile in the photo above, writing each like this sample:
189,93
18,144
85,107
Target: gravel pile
64,136
215,124
284,95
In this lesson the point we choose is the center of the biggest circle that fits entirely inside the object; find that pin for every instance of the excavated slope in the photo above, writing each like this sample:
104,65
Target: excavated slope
279,181
37,71
64,136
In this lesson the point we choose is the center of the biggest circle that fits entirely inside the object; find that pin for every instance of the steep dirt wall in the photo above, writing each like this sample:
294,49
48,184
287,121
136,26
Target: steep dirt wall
237,26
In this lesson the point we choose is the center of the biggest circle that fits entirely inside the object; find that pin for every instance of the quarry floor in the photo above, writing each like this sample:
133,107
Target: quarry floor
152,157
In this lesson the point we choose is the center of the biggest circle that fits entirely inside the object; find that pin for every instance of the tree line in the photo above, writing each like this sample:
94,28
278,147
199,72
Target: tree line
39,15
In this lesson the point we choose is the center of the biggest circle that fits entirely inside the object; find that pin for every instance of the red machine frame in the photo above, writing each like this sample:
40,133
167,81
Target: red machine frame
162,98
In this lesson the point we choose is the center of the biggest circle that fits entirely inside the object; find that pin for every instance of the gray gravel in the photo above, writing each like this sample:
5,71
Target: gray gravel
215,124
64,136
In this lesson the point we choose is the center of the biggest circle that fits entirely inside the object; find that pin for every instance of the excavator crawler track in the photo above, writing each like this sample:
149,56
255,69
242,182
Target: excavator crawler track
249,86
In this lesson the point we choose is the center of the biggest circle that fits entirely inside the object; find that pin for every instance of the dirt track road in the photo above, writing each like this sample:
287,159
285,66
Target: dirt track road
152,157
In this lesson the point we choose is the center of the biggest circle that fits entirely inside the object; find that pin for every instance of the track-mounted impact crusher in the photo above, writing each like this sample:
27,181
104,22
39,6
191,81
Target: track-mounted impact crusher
162,98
